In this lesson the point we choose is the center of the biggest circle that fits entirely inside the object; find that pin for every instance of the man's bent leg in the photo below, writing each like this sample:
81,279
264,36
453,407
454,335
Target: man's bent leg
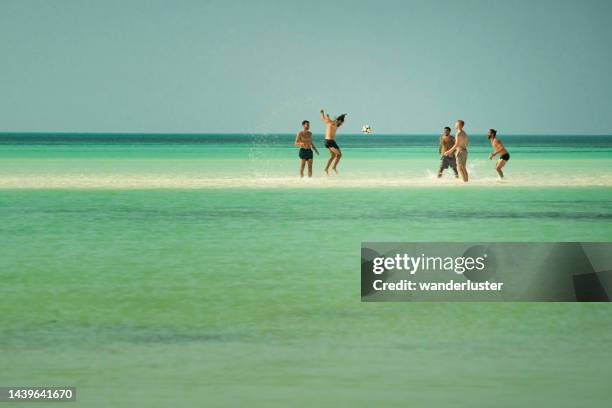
500,164
329,161
337,159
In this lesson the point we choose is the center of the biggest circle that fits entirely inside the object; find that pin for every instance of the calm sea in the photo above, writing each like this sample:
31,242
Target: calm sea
146,269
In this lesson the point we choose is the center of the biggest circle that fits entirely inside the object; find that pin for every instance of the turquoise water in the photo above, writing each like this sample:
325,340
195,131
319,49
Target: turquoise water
232,282
194,161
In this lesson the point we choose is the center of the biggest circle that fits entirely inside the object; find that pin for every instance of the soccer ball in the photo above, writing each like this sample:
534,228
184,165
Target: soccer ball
366,129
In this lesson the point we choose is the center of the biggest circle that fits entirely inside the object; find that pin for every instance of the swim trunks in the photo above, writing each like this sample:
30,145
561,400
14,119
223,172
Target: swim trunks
331,143
305,154
505,157
446,162
461,155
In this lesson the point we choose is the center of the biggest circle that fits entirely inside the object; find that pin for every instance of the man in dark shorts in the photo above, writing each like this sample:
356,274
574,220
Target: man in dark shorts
498,148
447,141
303,140
330,139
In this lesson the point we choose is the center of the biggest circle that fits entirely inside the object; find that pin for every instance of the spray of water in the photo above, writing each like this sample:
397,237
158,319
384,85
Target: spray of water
263,157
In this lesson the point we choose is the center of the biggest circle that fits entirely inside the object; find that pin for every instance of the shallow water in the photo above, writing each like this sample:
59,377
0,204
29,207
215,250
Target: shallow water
231,296
197,161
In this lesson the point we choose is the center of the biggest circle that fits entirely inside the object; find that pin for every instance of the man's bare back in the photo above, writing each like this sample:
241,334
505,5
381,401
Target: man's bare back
330,127
460,149
462,140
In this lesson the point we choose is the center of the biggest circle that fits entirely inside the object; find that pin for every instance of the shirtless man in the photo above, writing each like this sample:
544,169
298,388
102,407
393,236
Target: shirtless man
330,139
303,140
446,142
498,148
460,147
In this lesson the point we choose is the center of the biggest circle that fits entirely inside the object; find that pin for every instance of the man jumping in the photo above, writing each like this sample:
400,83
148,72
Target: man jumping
330,139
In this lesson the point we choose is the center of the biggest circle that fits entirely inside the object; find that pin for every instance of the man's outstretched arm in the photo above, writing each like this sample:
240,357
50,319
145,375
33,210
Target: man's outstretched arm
325,118
452,149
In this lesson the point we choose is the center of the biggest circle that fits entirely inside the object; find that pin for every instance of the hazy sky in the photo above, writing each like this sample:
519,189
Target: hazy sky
263,66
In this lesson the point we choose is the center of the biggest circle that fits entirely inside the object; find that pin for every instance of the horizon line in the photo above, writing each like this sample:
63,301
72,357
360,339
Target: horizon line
133,133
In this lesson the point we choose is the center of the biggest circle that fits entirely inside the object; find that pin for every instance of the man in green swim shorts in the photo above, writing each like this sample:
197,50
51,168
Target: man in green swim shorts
303,140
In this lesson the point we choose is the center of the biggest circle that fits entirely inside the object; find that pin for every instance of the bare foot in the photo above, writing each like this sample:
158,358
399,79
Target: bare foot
335,171
326,171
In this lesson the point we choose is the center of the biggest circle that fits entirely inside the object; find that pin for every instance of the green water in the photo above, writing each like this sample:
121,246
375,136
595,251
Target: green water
223,297
251,296
195,161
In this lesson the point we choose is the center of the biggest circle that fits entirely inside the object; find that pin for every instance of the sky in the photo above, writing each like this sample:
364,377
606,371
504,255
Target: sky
410,67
